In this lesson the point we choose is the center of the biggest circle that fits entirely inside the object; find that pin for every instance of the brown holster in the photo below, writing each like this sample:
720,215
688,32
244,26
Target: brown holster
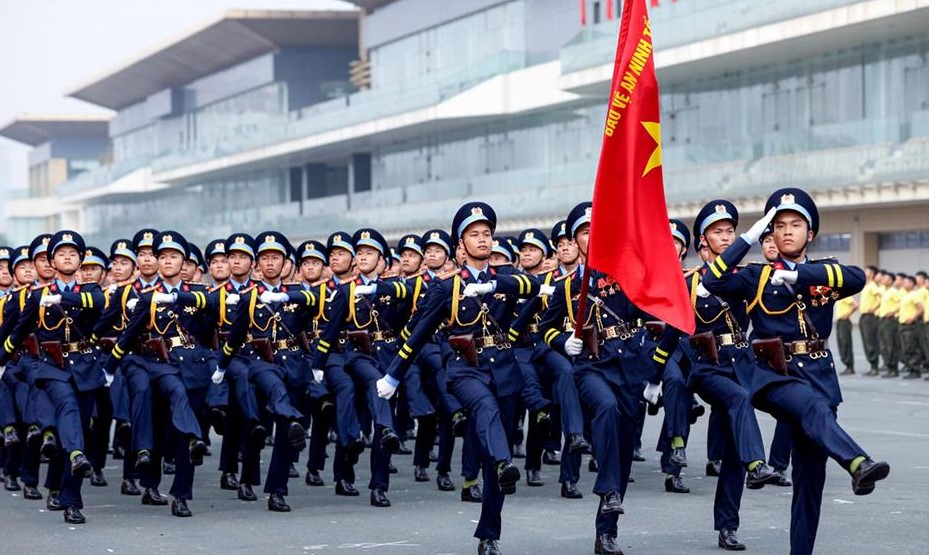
53,350
655,329
31,345
262,346
304,342
107,343
592,341
464,346
771,351
156,347
705,345
361,340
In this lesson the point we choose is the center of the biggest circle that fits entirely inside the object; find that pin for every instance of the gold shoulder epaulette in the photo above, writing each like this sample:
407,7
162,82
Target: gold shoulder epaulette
691,271
150,289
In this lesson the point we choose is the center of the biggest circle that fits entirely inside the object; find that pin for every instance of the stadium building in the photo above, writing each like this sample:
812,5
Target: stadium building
393,113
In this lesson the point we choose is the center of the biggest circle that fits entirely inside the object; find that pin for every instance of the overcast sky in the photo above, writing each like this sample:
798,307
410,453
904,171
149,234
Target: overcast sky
49,47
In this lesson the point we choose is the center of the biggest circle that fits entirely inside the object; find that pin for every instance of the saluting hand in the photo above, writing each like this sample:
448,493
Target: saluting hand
754,233
780,277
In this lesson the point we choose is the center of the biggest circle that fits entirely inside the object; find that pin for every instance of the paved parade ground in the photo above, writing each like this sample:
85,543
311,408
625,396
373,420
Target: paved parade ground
890,418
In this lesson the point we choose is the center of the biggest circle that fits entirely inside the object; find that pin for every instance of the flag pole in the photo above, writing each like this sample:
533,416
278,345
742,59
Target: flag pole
582,302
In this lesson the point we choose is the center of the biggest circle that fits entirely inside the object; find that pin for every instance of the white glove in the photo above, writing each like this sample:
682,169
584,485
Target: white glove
365,290
384,389
163,298
652,393
112,288
573,346
754,233
477,289
130,304
109,378
2,371
780,277
49,300
232,299
218,376
701,291
317,375
268,297
546,290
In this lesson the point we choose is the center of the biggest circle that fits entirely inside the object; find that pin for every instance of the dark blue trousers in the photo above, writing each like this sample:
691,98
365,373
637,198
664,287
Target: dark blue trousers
781,445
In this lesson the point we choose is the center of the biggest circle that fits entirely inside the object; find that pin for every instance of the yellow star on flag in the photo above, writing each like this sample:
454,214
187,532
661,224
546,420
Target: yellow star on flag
653,128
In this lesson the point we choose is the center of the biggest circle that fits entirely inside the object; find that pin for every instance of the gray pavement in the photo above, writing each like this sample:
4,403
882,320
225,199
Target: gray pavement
889,418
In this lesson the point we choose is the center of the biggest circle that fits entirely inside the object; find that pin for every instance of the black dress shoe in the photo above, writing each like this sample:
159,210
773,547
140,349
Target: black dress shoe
32,493
97,479
507,477
488,547
678,457
52,503
246,494
606,545
577,444
292,471
390,441
420,474
379,498
129,487
229,481
459,424
197,450
533,479
277,504
444,482
10,436
179,508
712,468
313,479
49,446
257,437
782,479
297,436
675,484
867,474
472,494
592,465
696,411
346,488
218,420
729,541
761,476
569,491
391,469
12,484
402,449
168,468
151,496
143,460
80,464
550,458
611,503
637,456
73,515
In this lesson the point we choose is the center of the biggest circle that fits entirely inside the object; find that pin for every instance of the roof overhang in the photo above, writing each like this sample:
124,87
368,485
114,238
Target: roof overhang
34,130
235,37
370,5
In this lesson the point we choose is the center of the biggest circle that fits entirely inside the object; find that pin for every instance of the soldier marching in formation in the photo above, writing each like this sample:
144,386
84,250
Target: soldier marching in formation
465,334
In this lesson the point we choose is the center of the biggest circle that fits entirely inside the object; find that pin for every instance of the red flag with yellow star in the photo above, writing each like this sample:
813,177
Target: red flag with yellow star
630,239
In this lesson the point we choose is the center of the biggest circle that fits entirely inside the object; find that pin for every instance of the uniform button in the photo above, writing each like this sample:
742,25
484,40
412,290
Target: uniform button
284,357
492,359
800,364
181,358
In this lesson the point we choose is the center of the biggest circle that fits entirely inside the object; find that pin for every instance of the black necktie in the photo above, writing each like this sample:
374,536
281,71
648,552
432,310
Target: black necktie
482,277
67,289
